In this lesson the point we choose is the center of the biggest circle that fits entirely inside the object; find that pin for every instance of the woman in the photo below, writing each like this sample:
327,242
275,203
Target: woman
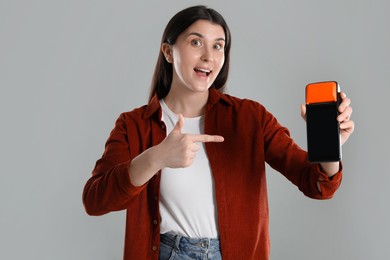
189,167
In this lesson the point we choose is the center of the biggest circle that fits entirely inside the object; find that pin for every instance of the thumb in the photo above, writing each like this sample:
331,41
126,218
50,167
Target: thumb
179,124
303,111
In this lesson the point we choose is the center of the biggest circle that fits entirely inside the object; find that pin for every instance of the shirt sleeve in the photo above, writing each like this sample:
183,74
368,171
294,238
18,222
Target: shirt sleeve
285,156
109,188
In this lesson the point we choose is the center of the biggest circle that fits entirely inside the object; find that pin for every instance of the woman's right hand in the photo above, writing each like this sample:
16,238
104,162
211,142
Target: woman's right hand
178,150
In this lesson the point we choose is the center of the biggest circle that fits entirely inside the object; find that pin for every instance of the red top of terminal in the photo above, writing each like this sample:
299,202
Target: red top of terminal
321,92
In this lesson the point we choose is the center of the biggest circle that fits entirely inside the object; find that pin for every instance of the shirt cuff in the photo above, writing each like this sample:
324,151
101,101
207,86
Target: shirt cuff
322,176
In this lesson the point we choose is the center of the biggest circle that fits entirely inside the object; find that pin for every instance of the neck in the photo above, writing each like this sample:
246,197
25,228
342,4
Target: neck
188,103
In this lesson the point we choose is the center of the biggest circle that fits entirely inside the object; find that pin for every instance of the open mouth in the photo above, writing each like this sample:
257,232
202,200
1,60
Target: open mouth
202,72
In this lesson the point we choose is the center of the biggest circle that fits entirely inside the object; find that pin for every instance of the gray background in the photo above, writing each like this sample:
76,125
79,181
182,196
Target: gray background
68,68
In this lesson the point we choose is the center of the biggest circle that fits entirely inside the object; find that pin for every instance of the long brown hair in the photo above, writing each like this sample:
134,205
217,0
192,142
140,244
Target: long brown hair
163,72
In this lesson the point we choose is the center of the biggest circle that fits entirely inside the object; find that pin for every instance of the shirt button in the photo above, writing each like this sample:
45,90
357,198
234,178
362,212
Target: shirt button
162,126
321,179
154,248
155,222
155,198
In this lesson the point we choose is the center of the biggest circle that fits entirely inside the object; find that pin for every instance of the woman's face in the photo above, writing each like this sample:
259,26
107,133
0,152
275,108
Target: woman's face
197,56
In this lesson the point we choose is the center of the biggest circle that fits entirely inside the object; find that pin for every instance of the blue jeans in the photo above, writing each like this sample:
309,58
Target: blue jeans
182,248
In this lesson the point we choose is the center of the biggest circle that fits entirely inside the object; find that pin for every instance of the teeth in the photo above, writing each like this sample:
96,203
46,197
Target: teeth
203,70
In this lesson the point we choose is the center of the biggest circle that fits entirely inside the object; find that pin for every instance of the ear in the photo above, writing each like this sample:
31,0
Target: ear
167,51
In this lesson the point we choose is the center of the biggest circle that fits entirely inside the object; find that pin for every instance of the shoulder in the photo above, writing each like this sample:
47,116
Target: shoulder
134,118
143,113
244,104
249,109
135,112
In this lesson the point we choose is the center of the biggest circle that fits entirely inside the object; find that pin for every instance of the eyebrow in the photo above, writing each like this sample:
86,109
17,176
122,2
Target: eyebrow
201,36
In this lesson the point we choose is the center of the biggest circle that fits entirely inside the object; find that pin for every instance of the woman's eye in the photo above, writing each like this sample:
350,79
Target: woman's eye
196,43
218,47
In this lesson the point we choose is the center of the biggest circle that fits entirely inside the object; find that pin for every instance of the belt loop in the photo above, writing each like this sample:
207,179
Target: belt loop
209,245
177,242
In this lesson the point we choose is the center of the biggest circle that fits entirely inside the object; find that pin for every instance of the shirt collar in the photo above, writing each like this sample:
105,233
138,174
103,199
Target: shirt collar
215,96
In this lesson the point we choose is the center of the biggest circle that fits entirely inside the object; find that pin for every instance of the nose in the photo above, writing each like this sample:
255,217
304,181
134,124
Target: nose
207,54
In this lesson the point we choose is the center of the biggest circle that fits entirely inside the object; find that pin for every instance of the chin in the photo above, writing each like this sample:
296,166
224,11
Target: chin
201,89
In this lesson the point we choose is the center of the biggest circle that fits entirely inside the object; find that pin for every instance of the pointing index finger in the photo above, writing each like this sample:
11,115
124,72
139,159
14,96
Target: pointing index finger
207,138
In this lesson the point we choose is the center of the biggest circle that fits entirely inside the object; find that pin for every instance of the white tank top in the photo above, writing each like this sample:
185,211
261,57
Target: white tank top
187,195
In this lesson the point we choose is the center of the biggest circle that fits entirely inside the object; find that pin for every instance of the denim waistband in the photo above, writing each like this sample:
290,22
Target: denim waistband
181,243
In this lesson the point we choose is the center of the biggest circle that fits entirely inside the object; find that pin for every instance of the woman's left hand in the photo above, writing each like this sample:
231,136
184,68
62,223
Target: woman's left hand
344,118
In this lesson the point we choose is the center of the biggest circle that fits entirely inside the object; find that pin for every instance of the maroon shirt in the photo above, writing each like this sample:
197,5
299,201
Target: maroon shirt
253,137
